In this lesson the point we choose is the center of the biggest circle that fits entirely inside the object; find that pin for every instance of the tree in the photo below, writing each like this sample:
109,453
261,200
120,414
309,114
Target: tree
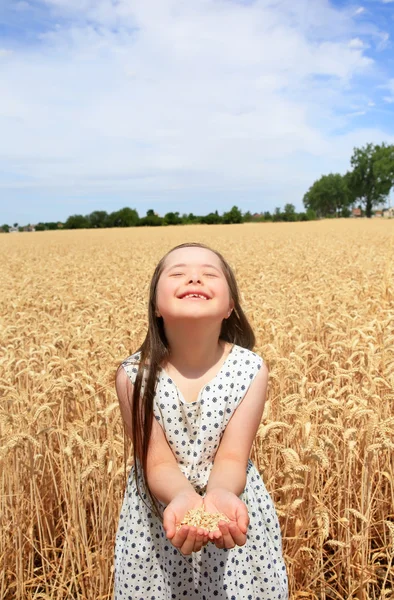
372,176
191,218
151,219
77,222
125,217
5,228
328,196
212,218
277,216
98,218
289,213
232,216
248,217
15,224
172,218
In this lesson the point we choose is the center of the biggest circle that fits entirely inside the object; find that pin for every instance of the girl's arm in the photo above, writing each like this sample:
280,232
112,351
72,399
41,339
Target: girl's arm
231,460
164,477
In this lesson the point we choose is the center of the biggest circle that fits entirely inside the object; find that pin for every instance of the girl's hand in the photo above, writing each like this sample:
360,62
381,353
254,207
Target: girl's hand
187,539
230,534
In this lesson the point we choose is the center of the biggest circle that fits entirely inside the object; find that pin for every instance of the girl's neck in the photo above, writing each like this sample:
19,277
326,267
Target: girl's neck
194,350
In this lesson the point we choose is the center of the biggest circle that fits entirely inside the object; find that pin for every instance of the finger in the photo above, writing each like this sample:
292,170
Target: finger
199,540
215,535
238,536
219,543
169,524
188,545
227,537
242,517
181,535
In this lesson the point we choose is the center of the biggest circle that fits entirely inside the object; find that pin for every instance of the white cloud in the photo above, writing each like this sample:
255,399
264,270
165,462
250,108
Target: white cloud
384,40
164,94
359,11
356,43
389,85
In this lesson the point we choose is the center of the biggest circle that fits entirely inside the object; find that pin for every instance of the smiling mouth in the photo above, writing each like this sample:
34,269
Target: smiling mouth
194,297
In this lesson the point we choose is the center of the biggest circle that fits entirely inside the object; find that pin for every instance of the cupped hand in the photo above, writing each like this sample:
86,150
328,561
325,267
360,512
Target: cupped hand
188,538
228,535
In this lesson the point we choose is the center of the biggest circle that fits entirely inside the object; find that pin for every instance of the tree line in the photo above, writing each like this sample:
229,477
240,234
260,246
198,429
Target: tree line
367,184
128,217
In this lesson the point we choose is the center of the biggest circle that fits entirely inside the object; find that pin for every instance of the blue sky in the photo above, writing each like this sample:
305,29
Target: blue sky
186,106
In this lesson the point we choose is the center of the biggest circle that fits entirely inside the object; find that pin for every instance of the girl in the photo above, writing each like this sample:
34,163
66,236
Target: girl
192,399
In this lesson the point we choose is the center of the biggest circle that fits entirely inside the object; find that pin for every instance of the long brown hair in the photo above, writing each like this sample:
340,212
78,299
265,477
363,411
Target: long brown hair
154,350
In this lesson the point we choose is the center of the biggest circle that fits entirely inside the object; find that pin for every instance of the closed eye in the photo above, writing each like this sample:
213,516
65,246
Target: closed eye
176,274
210,275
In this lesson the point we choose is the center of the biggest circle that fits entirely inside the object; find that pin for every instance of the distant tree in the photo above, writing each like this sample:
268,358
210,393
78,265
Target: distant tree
5,228
289,213
211,218
98,219
191,218
372,176
20,228
172,218
328,196
40,227
77,222
232,216
311,214
267,215
15,224
277,216
247,217
151,220
125,217
51,225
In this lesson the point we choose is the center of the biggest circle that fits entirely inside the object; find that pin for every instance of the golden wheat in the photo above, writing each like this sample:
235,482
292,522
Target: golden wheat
320,297
199,518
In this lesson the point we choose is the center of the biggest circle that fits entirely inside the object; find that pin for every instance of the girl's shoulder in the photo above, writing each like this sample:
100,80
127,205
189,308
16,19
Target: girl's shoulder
248,357
131,364
133,359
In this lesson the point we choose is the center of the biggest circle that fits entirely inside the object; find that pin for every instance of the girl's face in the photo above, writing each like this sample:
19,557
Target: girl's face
193,285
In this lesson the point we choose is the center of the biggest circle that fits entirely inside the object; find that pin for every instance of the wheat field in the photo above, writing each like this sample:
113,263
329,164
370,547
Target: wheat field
320,296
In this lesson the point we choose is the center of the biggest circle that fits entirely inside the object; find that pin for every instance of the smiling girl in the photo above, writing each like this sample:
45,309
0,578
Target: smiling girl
192,397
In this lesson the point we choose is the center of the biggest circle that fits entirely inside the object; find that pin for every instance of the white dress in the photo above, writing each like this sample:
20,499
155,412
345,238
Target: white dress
147,565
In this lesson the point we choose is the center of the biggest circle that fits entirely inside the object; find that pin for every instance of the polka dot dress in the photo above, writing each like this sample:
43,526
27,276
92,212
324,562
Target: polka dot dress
147,566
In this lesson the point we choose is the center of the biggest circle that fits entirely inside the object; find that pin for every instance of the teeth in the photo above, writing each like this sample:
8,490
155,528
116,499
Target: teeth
195,296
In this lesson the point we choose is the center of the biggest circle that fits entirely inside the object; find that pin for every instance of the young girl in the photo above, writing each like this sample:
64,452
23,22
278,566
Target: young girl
192,398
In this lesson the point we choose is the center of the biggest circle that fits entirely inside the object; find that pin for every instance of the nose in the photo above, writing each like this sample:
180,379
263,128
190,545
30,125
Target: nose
194,278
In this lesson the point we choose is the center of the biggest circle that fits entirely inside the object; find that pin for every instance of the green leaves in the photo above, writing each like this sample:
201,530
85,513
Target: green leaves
328,196
373,174
368,183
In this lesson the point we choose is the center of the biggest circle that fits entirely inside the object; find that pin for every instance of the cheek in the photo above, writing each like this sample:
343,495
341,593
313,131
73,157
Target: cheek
164,291
225,292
